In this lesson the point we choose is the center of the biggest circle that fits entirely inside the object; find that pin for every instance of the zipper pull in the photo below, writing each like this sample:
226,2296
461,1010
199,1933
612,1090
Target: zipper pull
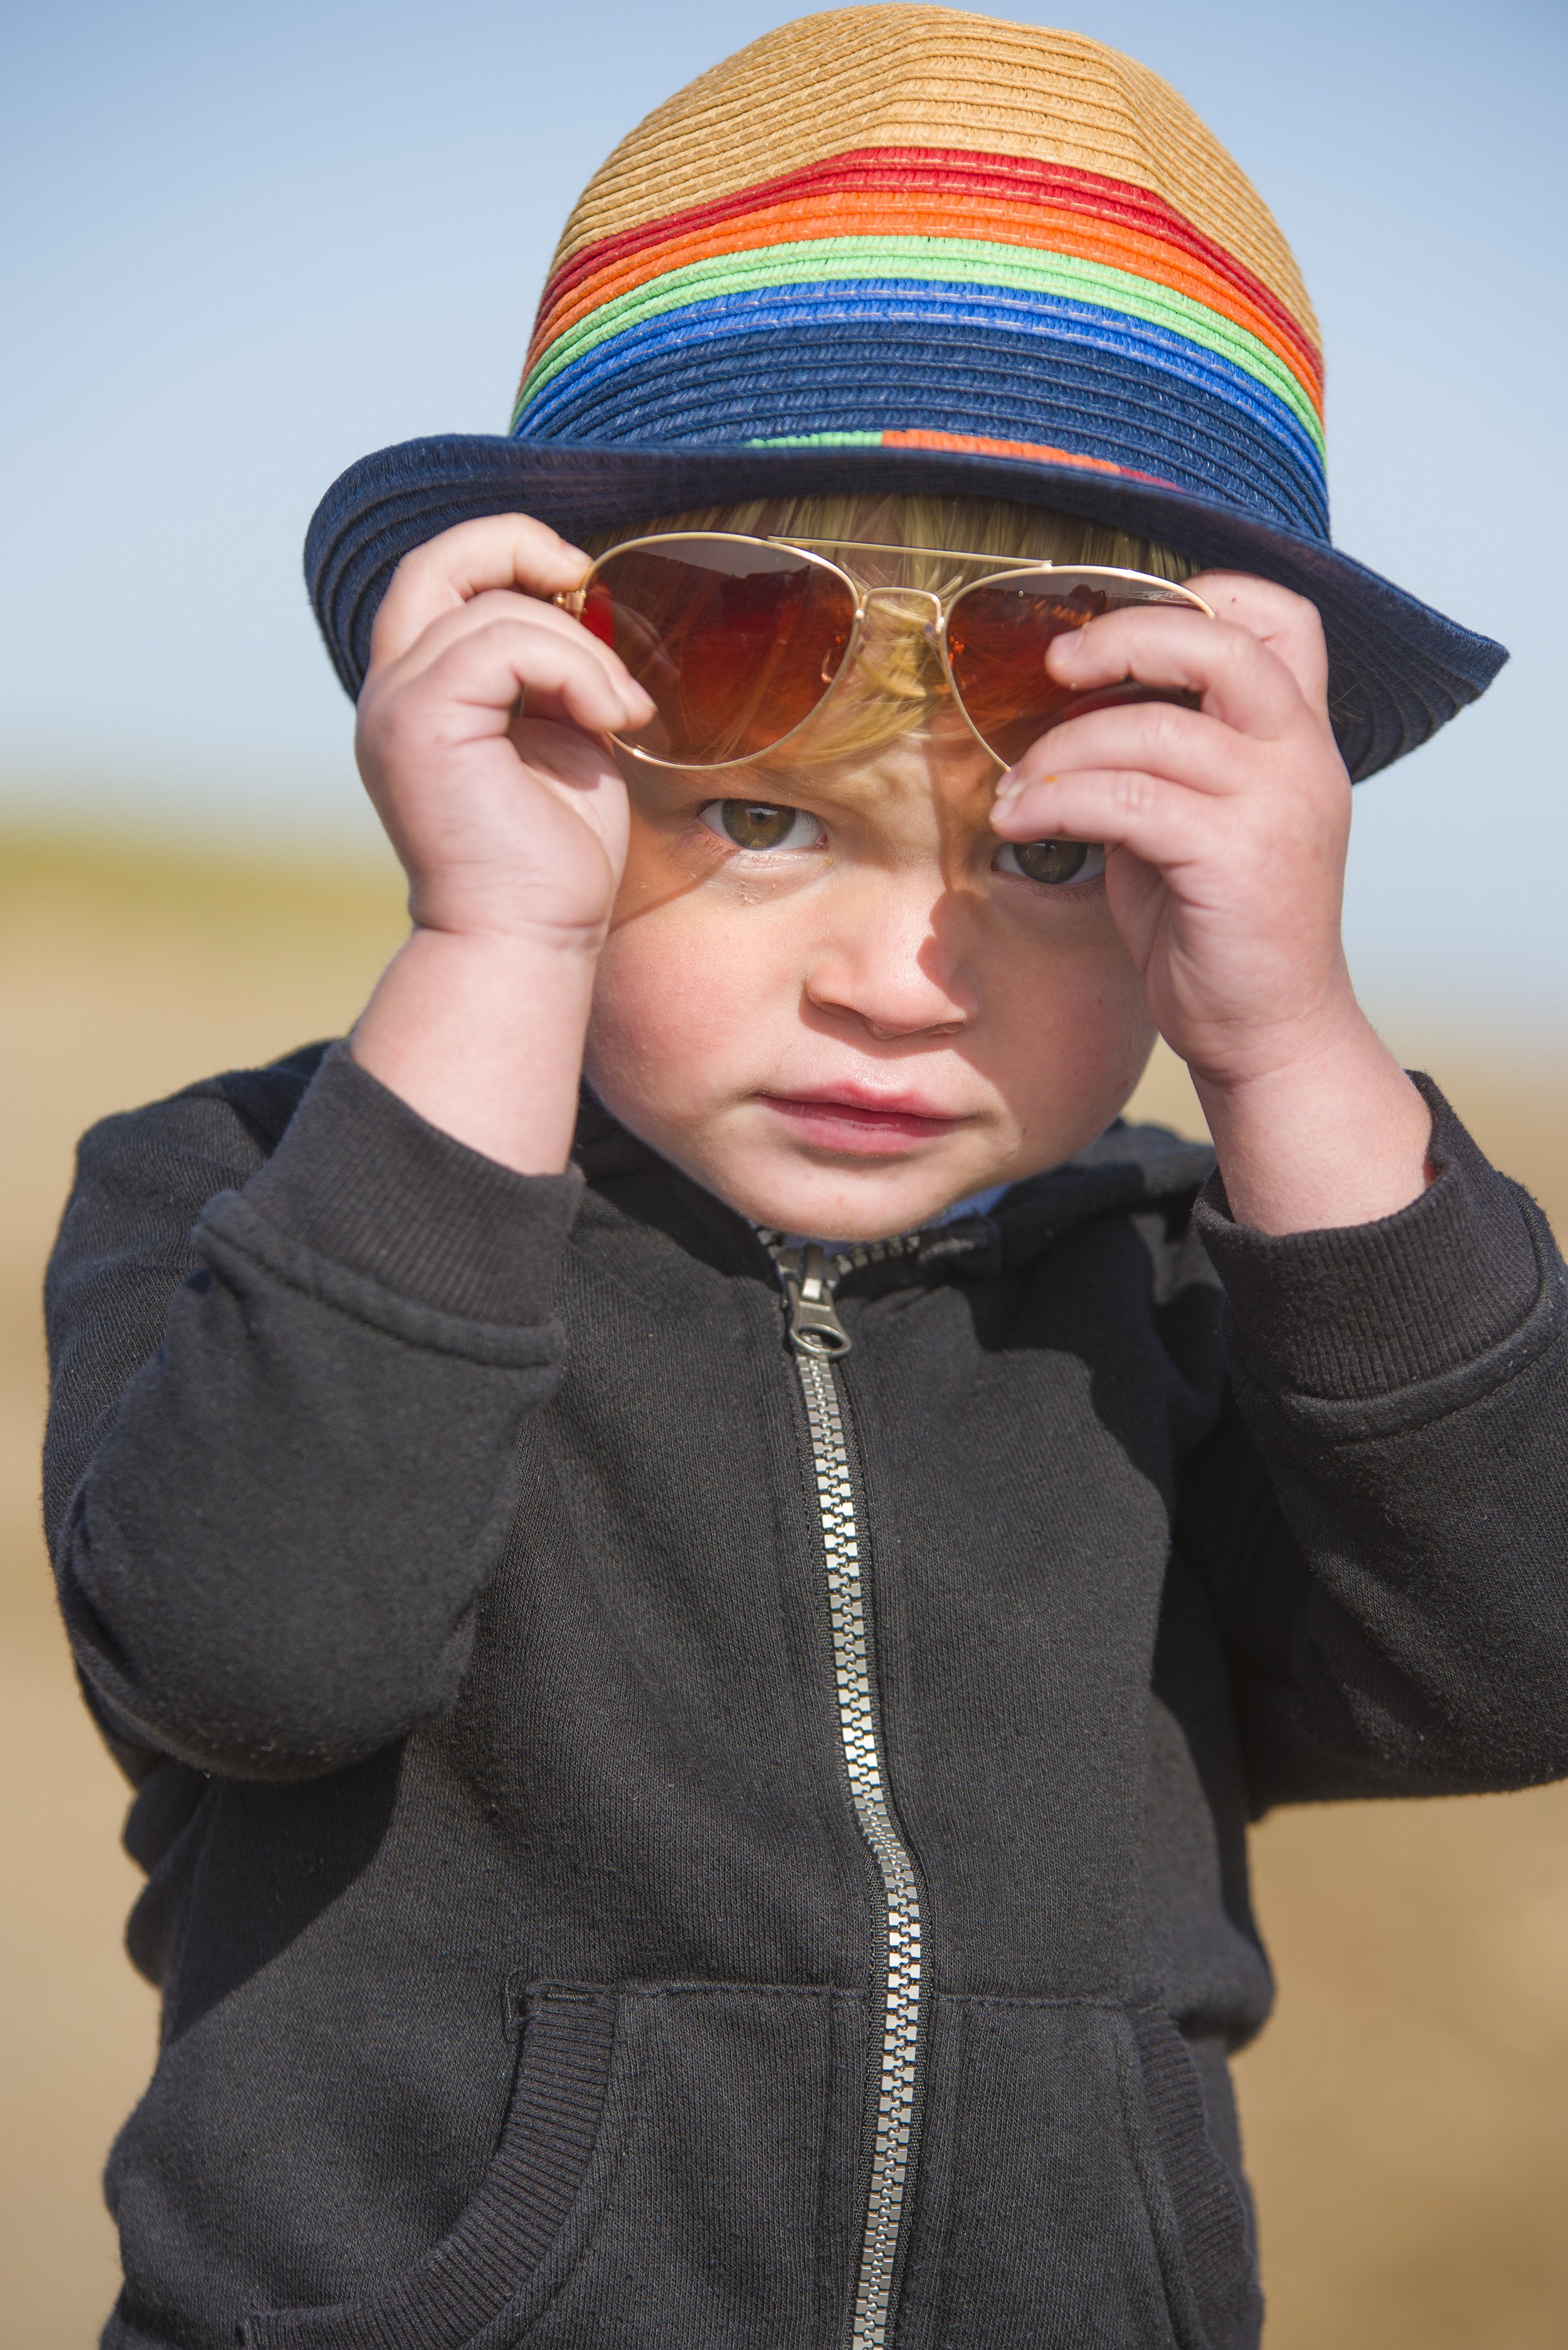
814,1327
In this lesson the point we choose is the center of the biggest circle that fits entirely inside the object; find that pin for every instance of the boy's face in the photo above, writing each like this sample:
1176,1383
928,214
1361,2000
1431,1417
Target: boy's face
843,1022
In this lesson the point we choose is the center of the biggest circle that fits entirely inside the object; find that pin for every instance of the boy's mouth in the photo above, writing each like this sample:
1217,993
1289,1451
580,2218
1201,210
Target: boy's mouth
844,1118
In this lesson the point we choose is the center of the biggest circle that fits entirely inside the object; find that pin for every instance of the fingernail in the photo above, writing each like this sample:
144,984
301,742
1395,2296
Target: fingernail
1010,786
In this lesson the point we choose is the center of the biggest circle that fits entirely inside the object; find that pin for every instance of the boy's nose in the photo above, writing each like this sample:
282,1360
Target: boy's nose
888,967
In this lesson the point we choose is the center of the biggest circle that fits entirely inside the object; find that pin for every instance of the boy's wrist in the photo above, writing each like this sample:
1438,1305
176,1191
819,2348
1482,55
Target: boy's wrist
1330,1134
505,933
482,1032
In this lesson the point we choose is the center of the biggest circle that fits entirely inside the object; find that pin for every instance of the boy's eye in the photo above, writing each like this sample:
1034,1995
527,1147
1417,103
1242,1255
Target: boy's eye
1051,861
757,824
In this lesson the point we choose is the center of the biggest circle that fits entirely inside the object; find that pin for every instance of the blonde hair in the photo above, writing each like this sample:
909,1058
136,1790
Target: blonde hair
896,686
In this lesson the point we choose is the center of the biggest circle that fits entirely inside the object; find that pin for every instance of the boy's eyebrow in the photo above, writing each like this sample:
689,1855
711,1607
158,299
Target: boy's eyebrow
964,800
689,786
964,803
802,789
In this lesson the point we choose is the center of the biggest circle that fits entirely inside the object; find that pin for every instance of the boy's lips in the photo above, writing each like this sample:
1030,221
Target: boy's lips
843,1117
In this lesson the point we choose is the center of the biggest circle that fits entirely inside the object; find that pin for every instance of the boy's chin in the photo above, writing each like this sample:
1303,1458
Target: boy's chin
850,1199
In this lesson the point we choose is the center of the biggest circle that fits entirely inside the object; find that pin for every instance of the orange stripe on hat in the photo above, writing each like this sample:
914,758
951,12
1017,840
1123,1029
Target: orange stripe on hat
977,444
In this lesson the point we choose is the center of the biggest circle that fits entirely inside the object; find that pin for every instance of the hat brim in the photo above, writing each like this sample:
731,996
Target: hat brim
1397,670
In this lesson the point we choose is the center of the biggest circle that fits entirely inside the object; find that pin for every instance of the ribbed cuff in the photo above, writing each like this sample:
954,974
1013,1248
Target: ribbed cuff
363,1180
1366,1309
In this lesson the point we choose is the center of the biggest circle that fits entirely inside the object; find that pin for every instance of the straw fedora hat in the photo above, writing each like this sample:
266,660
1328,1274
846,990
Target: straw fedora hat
907,248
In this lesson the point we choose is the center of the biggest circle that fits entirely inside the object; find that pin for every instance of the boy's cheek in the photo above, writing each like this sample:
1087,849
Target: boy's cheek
689,995
664,861
1064,1054
673,857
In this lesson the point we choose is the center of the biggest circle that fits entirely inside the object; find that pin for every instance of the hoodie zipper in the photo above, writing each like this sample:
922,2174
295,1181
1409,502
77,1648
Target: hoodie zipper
816,1337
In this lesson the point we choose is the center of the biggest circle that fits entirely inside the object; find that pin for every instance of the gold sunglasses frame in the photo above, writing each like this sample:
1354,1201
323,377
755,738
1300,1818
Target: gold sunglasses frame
1000,567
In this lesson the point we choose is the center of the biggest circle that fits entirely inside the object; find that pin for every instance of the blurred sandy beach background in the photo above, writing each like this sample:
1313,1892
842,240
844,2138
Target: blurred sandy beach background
1406,2113
245,246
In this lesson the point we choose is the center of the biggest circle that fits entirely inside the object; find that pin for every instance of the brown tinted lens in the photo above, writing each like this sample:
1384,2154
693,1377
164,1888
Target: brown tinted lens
735,642
998,637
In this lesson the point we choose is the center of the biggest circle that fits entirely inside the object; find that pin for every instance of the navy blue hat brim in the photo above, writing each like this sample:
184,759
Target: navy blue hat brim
1397,670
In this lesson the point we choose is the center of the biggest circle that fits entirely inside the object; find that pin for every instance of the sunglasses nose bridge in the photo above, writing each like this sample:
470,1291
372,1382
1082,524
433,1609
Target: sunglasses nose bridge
907,596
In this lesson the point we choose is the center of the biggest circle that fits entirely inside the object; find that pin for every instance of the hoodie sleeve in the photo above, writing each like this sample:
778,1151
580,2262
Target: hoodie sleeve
1382,1517
286,1395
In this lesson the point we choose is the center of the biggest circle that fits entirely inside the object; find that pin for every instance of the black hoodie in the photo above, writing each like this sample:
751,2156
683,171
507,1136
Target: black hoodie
662,1842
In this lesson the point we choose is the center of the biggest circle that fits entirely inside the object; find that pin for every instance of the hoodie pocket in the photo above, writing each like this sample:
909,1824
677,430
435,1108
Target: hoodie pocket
678,2165
733,2220
1069,2197
513,2240
1212,2260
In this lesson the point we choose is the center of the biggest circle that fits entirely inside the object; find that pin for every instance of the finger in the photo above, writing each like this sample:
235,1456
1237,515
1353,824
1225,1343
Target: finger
485,669
1185,746
1241,680
1163,823
504,604
498,551
1290,625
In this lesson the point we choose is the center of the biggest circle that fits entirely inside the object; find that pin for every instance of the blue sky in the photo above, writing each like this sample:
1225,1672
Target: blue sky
247,244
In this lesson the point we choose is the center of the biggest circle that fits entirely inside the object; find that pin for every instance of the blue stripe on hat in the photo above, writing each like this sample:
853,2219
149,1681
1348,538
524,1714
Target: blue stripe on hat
772,368
854,357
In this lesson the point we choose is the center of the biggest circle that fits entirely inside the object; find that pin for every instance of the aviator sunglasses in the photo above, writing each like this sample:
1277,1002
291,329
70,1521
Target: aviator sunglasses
738,641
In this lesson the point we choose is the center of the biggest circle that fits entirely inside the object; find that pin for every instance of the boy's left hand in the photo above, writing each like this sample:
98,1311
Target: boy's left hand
1227,828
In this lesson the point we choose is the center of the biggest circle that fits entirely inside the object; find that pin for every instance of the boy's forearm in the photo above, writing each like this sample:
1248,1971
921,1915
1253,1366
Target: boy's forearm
482,1036
1336,1135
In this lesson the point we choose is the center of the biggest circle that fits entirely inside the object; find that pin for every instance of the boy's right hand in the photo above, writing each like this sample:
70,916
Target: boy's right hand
481,740
479,737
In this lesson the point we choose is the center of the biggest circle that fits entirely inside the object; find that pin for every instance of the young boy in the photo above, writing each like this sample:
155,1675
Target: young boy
697,1652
